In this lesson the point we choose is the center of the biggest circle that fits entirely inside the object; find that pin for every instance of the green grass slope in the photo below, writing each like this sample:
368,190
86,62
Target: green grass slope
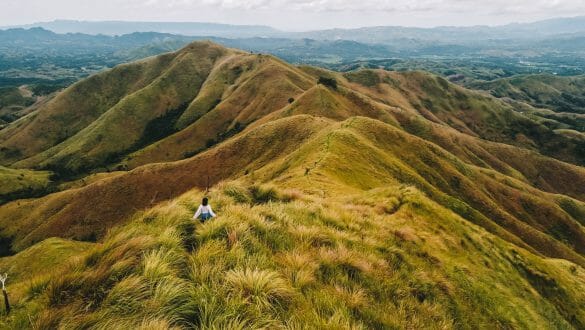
128,124
369,199
85,213
562,94
314,153
177,105
13,102
15,184
564,97
243,89
75,108
381,258
469,112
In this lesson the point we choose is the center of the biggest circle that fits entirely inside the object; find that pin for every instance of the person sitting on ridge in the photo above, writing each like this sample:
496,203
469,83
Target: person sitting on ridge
204,212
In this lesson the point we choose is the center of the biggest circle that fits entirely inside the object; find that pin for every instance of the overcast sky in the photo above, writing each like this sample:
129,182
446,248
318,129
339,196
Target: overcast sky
294,14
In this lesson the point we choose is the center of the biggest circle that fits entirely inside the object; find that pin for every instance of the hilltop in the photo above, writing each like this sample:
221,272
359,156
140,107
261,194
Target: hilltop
369,199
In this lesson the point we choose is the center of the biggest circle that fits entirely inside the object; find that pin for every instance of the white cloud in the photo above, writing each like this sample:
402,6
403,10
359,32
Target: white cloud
295,14
515,6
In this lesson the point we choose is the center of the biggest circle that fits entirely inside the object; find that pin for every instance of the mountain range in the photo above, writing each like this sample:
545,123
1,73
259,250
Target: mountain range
113,28
364,199
377,34
37,56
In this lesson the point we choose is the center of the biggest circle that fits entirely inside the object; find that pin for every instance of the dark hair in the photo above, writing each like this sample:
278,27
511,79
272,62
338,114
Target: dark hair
204,201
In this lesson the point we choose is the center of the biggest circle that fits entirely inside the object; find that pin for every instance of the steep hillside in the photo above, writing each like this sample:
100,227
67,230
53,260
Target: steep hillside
86,213
358,153
13,101
562,94
560,100
285,259
468,112
176,105
368,199
16,183
113,106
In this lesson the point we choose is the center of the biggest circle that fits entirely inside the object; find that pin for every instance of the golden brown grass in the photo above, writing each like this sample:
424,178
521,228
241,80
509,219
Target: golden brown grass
419,266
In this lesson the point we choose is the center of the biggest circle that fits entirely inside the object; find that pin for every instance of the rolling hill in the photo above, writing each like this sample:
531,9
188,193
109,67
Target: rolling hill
22,183
559,101
186,101
367,199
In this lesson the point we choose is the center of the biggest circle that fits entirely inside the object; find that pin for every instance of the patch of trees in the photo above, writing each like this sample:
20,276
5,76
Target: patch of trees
328,82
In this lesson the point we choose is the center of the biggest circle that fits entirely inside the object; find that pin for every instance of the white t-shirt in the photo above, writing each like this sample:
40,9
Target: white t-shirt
203,209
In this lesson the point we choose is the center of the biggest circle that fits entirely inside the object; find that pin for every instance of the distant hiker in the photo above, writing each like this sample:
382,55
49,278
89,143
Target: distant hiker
204,212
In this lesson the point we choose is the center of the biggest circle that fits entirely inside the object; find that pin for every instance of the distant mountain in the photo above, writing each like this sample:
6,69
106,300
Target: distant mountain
376,34
39,55
565,25
39,38
450,34
185,28
35,49
142,44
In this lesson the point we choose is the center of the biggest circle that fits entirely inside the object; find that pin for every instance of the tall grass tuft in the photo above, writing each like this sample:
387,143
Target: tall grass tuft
127,297
260,287
264,193
158,264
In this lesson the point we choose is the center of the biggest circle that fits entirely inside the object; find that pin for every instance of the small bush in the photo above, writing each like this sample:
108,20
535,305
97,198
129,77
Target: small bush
48,319
329,82
263,194
299,268
238,193
353,297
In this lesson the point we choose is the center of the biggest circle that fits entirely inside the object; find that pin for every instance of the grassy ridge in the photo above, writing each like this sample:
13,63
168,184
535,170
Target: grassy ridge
243,89
177,105
12,104
359,153
122,127
75,108
471,113
85,213
362,200
16,184
286,259
563,95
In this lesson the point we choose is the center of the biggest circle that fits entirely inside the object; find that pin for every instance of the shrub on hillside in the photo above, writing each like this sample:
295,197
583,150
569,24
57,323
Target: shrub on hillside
328,82
238,193
264,193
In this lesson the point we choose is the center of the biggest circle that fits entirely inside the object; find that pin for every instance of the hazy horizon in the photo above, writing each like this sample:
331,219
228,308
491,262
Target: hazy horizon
295,15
